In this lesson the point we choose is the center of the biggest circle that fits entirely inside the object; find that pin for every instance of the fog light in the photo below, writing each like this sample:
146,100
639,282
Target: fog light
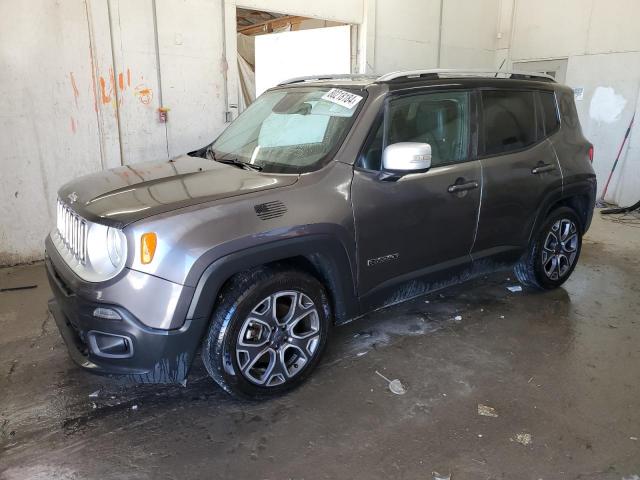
110,345
106,313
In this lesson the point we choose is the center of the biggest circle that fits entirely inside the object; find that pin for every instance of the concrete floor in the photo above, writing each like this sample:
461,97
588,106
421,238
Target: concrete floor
562,366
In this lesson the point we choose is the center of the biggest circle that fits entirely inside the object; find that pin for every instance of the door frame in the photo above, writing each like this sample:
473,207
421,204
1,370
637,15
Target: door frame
381,115
556,65
407,285
363,35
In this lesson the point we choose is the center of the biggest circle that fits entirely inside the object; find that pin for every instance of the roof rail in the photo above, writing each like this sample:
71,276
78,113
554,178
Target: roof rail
443,73
337,76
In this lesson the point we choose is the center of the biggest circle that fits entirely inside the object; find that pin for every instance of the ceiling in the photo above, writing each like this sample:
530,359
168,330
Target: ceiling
256,22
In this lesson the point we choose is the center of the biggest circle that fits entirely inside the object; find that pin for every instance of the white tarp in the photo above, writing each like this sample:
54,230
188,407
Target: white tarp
246,69
280,56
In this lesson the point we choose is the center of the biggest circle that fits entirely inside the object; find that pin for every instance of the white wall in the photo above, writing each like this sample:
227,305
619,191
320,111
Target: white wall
80,89
469,32
407,34
192,65
285,55
48,125
601,41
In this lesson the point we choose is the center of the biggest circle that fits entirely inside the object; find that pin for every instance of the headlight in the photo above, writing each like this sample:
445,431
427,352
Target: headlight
116,246
93,251
106,253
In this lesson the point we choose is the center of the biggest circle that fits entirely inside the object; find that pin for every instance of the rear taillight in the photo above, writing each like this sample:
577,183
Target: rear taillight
591,153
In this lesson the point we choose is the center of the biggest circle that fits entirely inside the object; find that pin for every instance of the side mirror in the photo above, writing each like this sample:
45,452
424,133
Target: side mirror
405,157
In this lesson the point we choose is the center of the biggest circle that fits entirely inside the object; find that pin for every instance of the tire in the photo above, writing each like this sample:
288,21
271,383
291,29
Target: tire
255,351
547,263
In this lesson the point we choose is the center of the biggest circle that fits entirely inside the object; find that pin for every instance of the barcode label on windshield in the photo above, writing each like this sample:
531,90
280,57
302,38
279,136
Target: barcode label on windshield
345,99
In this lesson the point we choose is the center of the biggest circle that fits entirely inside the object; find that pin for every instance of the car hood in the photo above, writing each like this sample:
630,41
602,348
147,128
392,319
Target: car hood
124,195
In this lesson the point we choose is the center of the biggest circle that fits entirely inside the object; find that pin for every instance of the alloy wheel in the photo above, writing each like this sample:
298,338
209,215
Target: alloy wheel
560,249
278,338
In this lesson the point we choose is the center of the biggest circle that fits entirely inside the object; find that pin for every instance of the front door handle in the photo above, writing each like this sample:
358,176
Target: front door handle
546,167
461,187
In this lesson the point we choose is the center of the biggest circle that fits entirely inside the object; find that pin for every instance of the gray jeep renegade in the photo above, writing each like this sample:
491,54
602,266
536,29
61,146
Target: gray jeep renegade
326,199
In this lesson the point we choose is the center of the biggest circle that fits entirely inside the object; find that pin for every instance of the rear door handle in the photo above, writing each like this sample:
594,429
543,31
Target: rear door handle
547,167
461,187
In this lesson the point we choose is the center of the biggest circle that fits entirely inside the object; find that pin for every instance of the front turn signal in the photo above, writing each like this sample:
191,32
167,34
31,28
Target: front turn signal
149,241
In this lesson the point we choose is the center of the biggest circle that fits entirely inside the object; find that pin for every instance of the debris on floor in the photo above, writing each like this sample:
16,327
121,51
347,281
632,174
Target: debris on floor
94,394
457,318
440,476
360,354
635,439
362,334
394,385
487,411
15,289
134,407
514,288
522,438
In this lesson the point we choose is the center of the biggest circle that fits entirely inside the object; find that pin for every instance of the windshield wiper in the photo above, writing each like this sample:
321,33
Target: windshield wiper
209,152
238,163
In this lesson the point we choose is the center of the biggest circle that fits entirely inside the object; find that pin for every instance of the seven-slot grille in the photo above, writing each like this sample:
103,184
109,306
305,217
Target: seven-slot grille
73,231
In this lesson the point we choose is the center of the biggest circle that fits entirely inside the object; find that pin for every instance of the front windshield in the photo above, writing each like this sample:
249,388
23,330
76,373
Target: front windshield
289,130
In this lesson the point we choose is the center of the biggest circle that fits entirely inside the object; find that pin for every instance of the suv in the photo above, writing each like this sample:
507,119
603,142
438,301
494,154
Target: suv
326,199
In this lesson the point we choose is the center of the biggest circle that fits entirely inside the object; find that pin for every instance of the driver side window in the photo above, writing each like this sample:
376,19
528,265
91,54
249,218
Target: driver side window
439,119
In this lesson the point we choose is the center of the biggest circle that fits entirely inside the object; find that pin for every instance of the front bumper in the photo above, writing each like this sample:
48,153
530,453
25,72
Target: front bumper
142,353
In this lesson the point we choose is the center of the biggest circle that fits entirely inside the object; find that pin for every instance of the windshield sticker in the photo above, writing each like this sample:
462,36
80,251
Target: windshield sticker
340,97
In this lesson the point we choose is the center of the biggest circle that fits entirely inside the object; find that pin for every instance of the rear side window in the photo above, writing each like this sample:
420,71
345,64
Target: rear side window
549,112
568,109
508,119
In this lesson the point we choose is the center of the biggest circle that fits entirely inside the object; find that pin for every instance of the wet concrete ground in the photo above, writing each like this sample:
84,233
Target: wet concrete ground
562,366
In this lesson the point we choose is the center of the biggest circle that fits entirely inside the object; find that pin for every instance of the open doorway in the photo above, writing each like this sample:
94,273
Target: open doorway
273,47
557,68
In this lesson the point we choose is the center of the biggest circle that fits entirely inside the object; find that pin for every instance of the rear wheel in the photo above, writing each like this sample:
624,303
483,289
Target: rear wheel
553,253
267,333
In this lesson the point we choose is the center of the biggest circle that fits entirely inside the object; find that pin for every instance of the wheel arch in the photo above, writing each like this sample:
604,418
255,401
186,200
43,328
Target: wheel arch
319,255
579,204
580,197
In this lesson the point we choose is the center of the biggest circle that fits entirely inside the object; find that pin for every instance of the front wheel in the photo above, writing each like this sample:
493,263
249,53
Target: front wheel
553,254
267,332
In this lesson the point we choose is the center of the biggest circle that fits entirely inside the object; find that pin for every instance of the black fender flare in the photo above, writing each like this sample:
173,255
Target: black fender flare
583,188
324,251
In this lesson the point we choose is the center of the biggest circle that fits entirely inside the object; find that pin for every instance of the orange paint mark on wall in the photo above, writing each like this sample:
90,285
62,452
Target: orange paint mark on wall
73,125
76,93
105,96
109,89
145,94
